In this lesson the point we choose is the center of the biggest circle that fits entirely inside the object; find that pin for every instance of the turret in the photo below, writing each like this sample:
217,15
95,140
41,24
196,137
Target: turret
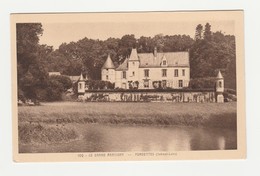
108,70
81,85
219,88
133,66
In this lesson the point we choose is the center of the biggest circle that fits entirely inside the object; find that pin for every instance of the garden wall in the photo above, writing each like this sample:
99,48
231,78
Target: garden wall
150,96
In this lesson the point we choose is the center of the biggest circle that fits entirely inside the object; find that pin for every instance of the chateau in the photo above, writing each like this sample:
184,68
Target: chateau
149,70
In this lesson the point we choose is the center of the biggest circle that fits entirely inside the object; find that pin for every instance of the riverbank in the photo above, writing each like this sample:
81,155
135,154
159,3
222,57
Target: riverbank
221,115
50,118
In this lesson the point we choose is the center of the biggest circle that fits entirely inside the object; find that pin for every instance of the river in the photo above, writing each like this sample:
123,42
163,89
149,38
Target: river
122,138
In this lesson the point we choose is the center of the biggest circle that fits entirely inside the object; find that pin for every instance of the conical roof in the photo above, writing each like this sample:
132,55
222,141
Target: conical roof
123,66
109,63
219,76
81,77
133,55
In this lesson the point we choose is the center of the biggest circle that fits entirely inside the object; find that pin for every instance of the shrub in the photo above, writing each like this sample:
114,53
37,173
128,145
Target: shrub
202,83
55,86
99,85
64,80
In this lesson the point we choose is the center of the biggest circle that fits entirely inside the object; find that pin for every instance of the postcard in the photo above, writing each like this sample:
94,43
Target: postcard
128,86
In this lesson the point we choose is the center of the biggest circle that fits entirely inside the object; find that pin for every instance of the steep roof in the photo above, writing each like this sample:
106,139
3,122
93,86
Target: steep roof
174,59
108,64
123,66
133,55
219,76
81,77
147,60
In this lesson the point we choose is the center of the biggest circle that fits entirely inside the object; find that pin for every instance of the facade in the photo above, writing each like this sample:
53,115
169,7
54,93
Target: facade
149,70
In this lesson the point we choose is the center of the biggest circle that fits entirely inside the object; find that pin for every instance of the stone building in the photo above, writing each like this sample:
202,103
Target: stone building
149,70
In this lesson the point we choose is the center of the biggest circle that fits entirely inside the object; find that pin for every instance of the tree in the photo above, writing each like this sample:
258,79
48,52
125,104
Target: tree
207,32
126,43
31,74
145,44
214,52
159,42
198,33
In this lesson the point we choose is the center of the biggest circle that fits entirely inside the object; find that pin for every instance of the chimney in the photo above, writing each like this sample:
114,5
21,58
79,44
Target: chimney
155,52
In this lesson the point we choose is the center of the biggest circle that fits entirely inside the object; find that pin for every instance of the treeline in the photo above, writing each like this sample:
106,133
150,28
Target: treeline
209,52
88,55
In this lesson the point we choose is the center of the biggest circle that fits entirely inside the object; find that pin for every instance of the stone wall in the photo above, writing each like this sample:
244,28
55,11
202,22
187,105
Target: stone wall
182,96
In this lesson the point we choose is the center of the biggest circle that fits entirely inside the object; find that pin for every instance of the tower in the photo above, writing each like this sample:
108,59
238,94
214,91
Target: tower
219,88
133,66
108,72
81,85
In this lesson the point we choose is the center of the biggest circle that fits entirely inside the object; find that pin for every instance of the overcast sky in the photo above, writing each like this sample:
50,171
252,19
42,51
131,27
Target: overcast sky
56,33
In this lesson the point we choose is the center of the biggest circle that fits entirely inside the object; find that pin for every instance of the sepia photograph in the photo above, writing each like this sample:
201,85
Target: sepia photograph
128,86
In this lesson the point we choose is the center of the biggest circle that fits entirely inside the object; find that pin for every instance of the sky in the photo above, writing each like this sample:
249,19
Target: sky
55,34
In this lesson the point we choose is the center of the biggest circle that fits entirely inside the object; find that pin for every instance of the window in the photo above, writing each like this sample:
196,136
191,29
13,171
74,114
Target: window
106,77
183,72
164,62
124,75
164,72
146,83
133,63
180,83
220,84
80,86
133,73
146,73
176,73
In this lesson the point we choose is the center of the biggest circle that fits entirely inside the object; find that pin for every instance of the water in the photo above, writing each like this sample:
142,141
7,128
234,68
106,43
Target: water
122,138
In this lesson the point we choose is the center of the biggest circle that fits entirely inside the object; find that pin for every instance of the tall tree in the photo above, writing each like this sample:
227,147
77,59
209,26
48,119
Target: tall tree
207,32
31,74
125,44
159,42
198,33
214,52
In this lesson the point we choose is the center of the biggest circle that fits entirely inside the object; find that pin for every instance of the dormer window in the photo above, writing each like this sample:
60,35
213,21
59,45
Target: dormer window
164,61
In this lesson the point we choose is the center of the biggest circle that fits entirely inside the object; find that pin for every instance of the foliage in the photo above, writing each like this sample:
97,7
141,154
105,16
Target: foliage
213,52
31,74
64,80
99,85
209,52
55,87
202,83
198,33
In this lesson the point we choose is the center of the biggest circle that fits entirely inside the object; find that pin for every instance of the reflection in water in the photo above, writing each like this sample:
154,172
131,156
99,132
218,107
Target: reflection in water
112,138
221,143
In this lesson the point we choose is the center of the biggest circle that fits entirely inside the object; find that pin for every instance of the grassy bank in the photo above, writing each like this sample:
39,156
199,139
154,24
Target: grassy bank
42,133
222,115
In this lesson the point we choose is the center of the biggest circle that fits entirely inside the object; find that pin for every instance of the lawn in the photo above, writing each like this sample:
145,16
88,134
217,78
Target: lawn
191,114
